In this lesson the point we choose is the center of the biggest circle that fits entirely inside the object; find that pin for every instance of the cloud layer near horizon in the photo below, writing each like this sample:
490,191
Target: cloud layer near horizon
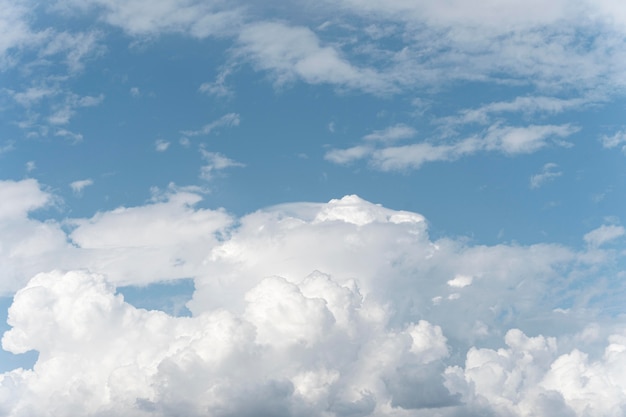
338,309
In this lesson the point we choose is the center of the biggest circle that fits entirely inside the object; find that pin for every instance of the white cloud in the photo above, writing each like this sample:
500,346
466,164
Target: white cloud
604,234
460,281
548,173
191,17
75,137
530,378
129,361
303,308
15,32
227,120
33,95
615,140
135,92
215,162
75,47
161,145
30,166
218,88
8,146
64,111
527,105
391,134
294,53
27,246
344,156
504,139
80,185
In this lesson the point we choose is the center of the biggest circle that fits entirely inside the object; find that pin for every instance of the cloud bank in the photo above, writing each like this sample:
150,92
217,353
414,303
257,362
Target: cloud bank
322,309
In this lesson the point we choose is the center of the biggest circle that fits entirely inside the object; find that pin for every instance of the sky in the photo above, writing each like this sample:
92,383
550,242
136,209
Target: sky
313,208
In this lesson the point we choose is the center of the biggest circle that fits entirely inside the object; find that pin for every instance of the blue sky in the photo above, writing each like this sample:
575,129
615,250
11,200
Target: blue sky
274,178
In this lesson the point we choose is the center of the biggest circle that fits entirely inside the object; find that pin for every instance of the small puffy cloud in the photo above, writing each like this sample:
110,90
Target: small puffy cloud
64,133
548,173
161,145
615,140
8,146
344,156
30,166
391,134
78,186
135,92
460,281
215,162
604,234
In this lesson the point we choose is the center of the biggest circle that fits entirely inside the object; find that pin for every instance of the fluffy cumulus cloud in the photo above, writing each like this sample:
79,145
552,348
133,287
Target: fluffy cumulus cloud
529,378
166,238
314,348
337,309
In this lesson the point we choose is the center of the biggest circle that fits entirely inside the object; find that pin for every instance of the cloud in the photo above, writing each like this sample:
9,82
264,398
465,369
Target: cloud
8,146
530,378
167,238
215,162
74,46
292,53
227,120
309,309
615,140
161,145
128,361
508,140
218,88
27,246
15,32
64,111
508,41
300,309
75,137
78,186
195,18
604,234
548,173
527,105
391,134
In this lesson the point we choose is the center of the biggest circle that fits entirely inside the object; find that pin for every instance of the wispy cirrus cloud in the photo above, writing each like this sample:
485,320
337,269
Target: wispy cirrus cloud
507,140
604,234
615,140
549,172
227,120
214,163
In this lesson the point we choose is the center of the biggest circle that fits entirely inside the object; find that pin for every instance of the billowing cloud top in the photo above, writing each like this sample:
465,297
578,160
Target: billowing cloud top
337,309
